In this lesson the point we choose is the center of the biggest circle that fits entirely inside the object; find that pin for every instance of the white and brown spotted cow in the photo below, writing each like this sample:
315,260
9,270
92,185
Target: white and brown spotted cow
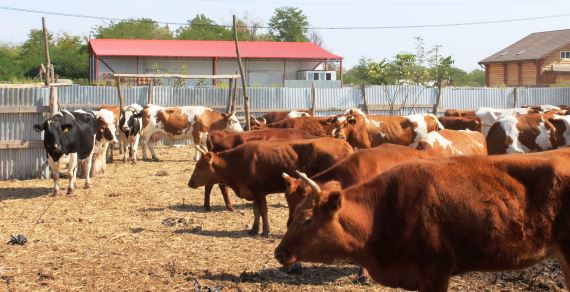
366,131
180,123
529,133
106,134
453,143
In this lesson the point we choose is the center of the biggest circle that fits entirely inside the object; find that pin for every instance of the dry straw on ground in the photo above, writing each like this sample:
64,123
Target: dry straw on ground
141,228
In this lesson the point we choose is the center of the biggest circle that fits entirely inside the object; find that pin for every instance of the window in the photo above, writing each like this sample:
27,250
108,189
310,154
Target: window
565,55
315,76
329,76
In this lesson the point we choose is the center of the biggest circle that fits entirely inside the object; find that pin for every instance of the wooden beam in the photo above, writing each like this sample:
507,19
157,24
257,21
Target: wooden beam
120,92
21,144
364,99
32,85
313,98
24,109
181,76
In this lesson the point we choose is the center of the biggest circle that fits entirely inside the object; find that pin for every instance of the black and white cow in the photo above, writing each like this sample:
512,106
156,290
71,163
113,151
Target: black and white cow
69,135
130,124
105,135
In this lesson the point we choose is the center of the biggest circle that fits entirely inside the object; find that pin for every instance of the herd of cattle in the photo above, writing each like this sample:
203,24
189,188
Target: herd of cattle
411,199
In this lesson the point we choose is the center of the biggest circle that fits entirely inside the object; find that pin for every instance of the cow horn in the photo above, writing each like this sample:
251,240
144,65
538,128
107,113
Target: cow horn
334,131
285,176
264,120
200,148
310,182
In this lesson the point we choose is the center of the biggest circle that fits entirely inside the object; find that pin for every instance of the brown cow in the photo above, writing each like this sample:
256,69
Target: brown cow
253,170
179,123
454,143
116,114
363,131
224,140
317,126
528,133
461,123
459,113
417,224
272,117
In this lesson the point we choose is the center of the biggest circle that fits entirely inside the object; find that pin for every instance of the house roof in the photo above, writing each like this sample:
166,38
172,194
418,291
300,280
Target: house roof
208,49
533,47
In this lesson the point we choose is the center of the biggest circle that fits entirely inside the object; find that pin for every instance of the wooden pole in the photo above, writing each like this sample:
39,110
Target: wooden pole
313,98
243,77
120,92
234,95
364,99
438,99
230,90
49,75
149,92
515,97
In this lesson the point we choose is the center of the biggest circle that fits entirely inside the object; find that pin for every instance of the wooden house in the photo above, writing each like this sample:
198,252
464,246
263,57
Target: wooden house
541,58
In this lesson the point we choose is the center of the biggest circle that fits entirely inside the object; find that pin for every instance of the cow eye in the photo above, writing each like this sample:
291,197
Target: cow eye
307,221
66,128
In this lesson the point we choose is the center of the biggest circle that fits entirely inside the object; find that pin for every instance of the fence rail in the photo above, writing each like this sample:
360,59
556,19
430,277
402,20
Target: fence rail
20,108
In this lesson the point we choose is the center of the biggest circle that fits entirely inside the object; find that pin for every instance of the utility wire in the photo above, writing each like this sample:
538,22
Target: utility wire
311,28
376,3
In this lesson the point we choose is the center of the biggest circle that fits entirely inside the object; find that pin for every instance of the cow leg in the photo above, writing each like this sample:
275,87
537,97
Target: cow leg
54,166
435,276
255,228
72,172
264,217
207,193
145,140
562,253
86,170
104,153
134,148
150,145
125,147
225,195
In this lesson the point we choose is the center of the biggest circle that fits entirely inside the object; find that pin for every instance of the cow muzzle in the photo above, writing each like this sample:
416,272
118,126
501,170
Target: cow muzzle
285,258
126,128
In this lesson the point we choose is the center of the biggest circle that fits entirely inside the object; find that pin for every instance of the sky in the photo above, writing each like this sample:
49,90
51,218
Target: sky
467,44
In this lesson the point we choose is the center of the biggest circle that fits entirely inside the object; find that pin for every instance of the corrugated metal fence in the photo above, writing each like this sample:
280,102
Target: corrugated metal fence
16,125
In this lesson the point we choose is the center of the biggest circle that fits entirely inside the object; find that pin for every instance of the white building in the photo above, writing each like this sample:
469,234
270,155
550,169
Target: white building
266,63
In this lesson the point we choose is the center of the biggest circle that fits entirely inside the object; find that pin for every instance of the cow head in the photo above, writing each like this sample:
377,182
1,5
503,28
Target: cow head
315,234
342,125
232,122
127,120
106,126
295,192
204,173
59,132
257,123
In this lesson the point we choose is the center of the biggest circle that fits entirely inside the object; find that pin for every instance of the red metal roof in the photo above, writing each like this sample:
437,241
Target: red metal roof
208,49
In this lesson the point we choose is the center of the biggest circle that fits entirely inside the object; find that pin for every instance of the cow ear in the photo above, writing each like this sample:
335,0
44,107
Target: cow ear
137,115
39,127
225,116
331,120
333,203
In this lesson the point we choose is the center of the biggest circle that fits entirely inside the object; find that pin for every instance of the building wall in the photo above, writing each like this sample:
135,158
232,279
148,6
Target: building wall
512,74
259,72
528,73
496,75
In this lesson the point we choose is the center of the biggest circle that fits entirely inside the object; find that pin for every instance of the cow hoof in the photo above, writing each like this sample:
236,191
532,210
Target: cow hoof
133,162
87,186
55,193
154,159
208,209
362,279
230,208
70,191
253,232
265,234
124,160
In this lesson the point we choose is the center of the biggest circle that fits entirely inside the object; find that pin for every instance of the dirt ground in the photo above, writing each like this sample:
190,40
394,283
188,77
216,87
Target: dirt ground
141,228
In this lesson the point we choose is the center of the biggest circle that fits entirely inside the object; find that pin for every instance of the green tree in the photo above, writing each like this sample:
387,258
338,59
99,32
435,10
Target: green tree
70,57
203,28
473,78
32,52
10,67
289,24
142,28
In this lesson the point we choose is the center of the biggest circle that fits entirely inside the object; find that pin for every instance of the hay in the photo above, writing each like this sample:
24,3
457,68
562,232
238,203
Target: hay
114,237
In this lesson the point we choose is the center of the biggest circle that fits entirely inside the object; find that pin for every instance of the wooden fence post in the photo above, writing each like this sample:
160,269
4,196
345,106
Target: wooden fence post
437,100
49,73
234,95
515,97
242,73
313,99
364,99
149,92
120,92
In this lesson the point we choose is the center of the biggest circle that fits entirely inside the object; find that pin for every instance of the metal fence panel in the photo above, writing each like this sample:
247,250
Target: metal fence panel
406,99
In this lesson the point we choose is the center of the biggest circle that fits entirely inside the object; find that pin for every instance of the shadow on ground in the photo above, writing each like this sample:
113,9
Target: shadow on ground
24,193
